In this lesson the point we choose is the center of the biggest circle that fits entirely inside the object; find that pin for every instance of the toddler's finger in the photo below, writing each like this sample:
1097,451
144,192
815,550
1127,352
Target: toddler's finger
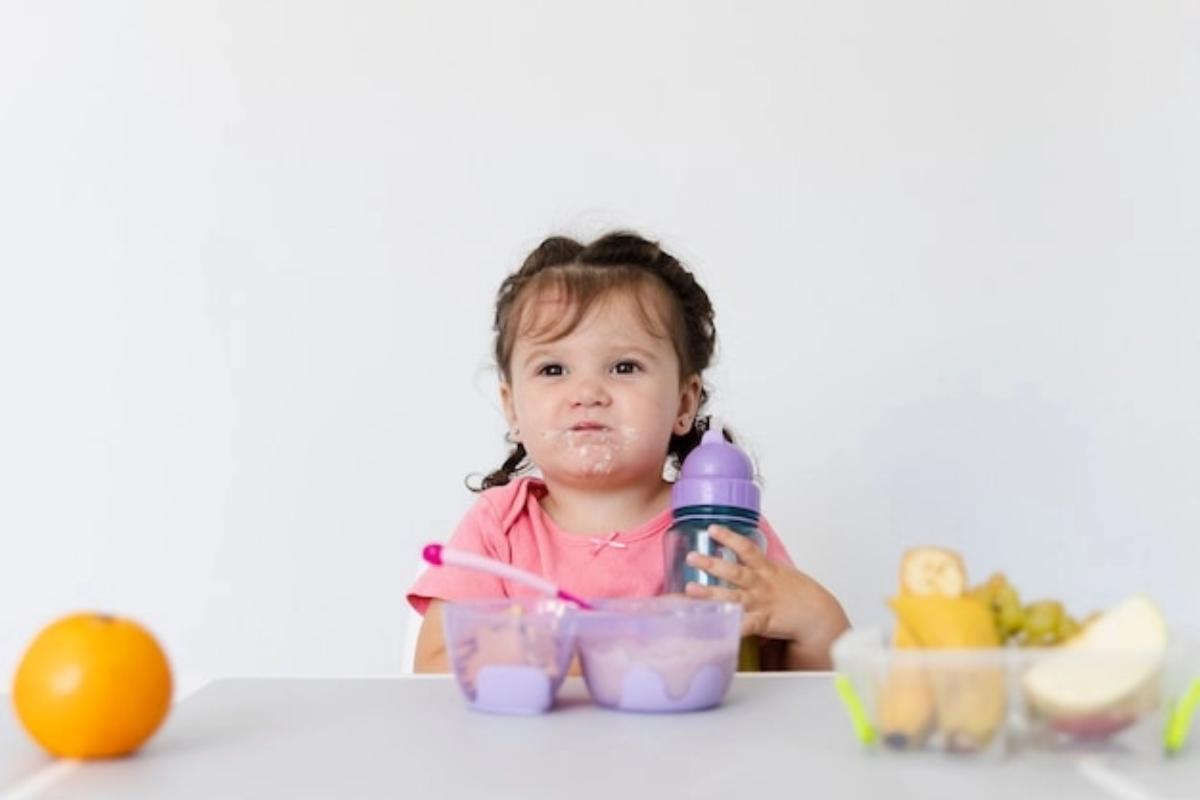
701,592
742,546
728,571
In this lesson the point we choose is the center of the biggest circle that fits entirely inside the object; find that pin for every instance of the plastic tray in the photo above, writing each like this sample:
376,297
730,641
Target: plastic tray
1003,701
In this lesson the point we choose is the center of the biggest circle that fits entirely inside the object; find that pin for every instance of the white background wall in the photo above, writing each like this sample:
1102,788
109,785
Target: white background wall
248,253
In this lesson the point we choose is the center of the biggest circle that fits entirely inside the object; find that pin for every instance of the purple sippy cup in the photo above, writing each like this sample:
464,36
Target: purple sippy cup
715,487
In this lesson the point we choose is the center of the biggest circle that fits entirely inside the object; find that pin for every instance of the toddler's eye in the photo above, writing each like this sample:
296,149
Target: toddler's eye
550,370
627,367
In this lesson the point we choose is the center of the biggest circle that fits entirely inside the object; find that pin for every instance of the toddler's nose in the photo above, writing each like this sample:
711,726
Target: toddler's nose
589,392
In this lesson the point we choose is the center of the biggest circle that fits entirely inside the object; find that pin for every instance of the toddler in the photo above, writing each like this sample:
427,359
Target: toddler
601,350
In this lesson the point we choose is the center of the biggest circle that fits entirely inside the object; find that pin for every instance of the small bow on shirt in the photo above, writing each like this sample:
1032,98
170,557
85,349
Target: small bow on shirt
606,542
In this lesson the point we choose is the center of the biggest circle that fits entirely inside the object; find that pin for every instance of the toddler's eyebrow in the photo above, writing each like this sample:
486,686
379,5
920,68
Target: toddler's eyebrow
535,354
635,350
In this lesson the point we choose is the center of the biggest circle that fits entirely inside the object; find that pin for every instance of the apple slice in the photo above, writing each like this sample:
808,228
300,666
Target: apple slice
1106,677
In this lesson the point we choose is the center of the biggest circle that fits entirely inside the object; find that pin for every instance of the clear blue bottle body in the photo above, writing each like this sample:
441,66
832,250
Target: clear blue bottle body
689,532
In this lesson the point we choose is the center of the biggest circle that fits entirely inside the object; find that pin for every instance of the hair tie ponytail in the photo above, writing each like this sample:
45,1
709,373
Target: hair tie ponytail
514,465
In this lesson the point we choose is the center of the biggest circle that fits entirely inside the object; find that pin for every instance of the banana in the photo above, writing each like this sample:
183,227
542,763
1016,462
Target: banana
954,622
970,704
902,638
906,702
928,571
970,701
932,571
906,708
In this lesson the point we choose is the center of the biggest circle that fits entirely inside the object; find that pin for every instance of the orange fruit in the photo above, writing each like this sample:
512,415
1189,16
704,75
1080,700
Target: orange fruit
92,686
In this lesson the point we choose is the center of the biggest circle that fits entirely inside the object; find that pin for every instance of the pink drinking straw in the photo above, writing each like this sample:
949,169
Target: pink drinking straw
437,555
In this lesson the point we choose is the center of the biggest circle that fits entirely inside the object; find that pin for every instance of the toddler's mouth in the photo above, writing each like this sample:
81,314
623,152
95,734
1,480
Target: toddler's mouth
584,427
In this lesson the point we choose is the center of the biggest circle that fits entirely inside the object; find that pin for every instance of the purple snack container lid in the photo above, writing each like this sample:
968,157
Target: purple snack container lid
716,473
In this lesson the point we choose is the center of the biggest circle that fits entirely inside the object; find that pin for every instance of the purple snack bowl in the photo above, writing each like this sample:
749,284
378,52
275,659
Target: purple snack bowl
660,653
510,655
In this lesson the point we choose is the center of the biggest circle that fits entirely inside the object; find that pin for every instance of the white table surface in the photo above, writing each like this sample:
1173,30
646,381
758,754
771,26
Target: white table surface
780,735
19,759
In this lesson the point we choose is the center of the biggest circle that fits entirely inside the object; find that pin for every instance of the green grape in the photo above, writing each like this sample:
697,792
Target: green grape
1040,624
986,594
997,582
1042,620
1067,627
1010,616
982,594
1004,603
1011,620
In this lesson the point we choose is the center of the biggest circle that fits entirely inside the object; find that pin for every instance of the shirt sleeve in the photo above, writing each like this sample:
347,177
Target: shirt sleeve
775,549
478,528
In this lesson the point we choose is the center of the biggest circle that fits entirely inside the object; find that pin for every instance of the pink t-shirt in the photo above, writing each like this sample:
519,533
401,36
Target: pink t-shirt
507,523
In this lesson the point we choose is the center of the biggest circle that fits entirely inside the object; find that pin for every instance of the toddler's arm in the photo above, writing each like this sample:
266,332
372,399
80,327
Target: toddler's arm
431,647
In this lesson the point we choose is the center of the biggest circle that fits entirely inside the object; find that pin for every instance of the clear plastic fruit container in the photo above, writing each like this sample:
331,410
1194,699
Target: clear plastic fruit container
659,654
510,656
998,702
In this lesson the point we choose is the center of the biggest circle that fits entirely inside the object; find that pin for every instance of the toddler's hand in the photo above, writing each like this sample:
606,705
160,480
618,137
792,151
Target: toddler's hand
779,602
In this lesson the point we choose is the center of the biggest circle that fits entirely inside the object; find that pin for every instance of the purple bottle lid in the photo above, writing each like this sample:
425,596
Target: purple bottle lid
716,473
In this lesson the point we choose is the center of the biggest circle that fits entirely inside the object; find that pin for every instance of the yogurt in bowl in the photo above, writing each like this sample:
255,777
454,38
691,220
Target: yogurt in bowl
659,654
510,656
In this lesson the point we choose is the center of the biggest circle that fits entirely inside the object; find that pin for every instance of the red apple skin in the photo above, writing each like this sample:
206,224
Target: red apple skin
1105,722
1097,726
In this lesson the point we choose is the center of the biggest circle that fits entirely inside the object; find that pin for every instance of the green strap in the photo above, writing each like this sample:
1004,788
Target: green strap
1179,721
859,717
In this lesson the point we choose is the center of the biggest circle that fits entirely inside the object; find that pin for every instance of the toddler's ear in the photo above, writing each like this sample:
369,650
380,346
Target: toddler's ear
506,401
689,397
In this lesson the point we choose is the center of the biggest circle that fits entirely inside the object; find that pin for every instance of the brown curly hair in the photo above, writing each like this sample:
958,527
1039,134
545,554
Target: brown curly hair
583,274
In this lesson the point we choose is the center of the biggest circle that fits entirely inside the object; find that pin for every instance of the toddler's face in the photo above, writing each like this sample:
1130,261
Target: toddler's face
598,406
